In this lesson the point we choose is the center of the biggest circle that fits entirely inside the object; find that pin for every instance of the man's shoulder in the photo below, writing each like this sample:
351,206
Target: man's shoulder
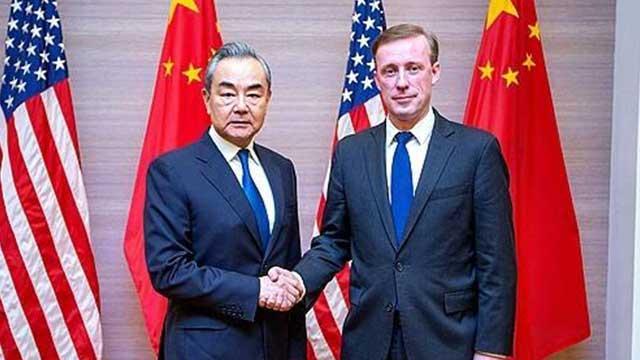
177,157
360,139
466,134
272,155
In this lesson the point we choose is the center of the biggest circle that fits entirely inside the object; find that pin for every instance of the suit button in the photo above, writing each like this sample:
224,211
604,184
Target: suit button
265,267
399,267
389,307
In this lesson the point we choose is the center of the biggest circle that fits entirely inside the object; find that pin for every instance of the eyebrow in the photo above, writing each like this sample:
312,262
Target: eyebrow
256,86
226,84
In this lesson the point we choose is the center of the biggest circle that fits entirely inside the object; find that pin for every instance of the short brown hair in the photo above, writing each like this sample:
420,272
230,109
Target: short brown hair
405,31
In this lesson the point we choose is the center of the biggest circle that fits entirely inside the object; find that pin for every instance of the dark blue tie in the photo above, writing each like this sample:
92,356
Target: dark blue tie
401,184
253,195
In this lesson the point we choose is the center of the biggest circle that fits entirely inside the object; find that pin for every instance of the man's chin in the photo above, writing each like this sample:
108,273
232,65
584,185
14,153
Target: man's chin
240,138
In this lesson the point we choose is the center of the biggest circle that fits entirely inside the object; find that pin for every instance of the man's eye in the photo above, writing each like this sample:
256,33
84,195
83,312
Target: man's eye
254,96
389,72
414,68
227,95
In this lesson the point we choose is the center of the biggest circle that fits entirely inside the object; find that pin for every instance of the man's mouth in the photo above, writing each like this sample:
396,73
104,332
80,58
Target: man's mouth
403,98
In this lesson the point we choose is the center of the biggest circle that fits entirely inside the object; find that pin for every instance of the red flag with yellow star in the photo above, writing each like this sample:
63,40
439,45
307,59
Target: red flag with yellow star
177,118
510,97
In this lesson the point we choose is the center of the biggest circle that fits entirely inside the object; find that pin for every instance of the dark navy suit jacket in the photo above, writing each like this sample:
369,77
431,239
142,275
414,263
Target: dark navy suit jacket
452,279
204,254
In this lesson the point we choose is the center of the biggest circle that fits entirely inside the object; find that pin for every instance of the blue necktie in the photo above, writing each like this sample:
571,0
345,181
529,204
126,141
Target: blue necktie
401,184
253,195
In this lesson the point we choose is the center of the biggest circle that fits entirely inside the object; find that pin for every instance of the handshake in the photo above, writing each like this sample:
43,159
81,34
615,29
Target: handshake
280,290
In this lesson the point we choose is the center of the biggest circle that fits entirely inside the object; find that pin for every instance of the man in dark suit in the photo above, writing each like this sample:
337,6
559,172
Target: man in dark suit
218,214
421,206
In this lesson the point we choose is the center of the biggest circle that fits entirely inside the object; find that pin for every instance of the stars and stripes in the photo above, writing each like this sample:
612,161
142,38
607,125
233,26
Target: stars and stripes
360,108
49,297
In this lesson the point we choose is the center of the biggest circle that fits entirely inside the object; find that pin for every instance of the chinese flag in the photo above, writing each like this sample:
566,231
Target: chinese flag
510,97
177,118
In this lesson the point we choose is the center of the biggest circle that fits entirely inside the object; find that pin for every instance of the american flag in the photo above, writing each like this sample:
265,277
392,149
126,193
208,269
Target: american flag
360,108
49,299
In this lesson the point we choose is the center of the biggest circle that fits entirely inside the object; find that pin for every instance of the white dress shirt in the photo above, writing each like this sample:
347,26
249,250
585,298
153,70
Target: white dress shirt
416,147
230,153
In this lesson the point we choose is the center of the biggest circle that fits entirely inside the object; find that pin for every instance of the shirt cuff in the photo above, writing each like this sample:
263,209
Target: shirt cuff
496,356
299,278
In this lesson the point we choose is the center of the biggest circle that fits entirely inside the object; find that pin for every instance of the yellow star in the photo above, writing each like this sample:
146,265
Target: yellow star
189,4
168,67
529,62
534,31
511,77
497,7
192,73
487,71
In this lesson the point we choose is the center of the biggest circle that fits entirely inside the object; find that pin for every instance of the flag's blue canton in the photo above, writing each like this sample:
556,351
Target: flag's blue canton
34,57
359,86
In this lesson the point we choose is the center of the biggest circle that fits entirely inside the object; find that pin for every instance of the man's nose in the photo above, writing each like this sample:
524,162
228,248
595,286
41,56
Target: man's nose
241,105
401,82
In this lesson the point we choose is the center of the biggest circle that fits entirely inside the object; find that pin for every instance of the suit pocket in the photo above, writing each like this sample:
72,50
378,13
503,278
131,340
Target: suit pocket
203,337
460,300
451,191
201,322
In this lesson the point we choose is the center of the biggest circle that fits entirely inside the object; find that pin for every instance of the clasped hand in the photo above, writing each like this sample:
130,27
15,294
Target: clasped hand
280,290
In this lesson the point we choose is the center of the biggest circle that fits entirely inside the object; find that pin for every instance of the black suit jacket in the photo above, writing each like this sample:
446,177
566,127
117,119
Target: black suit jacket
204,254
454,273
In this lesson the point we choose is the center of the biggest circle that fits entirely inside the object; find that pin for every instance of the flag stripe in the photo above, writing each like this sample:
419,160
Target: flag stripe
22,296
343,282
336,301
69,158
359,118
329,328
63,94
8,347
55,194
51,295
310,354
375,110
316,339
345,126
59,186
44,239
29,271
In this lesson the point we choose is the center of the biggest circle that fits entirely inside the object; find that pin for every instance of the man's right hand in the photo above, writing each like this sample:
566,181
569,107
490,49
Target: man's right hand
278,293
280,290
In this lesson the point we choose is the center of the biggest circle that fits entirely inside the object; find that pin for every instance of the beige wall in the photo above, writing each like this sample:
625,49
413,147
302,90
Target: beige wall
113,48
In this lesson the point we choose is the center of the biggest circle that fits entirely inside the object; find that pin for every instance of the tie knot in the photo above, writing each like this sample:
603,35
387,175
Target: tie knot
243,154
403,137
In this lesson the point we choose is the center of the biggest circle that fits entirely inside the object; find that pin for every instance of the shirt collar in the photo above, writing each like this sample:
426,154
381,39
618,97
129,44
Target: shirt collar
421,131
229,150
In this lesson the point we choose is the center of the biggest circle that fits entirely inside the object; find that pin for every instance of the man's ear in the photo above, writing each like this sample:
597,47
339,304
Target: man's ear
435,72
206,96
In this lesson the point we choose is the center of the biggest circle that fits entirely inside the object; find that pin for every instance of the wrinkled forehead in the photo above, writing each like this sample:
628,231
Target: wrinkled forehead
406,50
239,72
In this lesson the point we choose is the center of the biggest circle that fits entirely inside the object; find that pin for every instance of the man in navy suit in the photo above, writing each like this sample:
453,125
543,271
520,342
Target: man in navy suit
421,206
219,213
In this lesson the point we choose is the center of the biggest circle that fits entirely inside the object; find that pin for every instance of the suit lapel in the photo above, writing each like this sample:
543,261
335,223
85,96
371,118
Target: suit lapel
274,176
440,148
219,174
376,169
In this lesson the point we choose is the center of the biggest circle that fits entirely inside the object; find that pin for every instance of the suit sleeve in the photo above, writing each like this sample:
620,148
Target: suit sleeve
330,250
297,326
495,255
169,254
